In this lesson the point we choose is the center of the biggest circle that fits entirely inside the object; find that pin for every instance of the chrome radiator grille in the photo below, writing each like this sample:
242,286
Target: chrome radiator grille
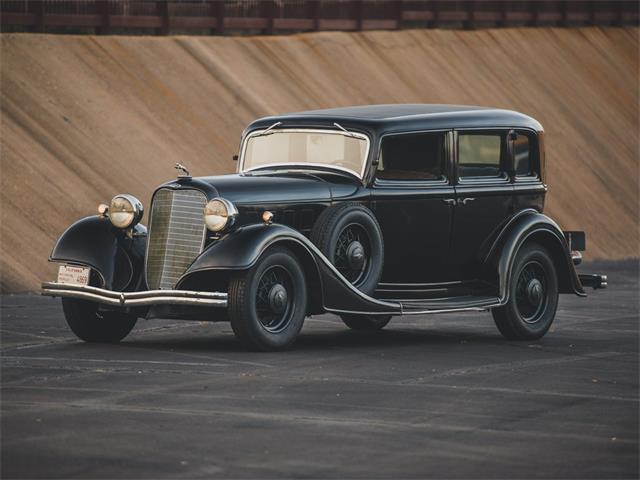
176,235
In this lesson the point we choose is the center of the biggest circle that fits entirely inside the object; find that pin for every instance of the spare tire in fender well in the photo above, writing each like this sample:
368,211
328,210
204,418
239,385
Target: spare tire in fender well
350,237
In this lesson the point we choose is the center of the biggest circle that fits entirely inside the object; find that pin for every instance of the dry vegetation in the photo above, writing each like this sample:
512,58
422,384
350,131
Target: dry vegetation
86,117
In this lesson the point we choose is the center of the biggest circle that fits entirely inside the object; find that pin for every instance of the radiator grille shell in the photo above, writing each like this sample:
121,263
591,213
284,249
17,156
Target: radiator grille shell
176,235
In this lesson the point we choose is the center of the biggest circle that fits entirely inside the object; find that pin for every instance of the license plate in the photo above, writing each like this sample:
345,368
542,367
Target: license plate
71,275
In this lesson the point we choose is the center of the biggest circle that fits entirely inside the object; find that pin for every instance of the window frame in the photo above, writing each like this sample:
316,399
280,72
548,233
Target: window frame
534,156
349,133
505,161
448,177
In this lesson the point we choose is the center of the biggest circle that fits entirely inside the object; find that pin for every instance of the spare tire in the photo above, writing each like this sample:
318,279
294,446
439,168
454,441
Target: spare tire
350,237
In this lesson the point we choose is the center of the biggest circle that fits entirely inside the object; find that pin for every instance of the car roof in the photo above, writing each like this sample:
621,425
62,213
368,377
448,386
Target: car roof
395,117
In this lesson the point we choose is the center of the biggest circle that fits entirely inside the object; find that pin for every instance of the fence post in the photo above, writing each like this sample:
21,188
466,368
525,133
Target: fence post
102,7
218,11
358,13
268,12
39,11
314,14
399,11
564,10
502,22
470,9
162,9
435,9
535,14
619,12
592,14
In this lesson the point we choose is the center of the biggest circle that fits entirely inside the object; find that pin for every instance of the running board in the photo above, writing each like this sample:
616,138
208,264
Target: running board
449,304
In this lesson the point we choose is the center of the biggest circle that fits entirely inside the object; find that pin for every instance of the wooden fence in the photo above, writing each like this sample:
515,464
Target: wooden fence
283,16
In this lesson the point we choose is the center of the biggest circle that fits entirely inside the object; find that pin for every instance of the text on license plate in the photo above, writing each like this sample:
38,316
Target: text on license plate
71,275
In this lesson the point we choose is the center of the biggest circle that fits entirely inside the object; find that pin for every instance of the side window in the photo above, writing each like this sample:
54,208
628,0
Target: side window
479,154
416,156
522,156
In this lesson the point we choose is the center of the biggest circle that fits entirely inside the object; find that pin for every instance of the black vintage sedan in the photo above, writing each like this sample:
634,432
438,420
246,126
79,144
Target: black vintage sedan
367,212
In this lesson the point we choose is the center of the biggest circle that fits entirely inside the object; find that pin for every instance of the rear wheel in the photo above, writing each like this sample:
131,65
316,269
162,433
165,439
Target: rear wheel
91,325
366,322
533,296
268,302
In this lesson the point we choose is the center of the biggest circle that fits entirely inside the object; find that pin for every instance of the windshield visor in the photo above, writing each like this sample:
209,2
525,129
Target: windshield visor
306,148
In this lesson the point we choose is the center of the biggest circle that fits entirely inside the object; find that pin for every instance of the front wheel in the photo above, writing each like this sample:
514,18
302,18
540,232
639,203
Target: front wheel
533,296
91,325
268,302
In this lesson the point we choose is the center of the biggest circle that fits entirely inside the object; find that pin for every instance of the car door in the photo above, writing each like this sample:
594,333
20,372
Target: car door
484,196
412,198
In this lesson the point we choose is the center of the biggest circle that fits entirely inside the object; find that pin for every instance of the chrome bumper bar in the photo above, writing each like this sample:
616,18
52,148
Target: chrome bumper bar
135,299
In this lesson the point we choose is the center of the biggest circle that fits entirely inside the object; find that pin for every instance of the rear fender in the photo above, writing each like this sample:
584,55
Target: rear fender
94,242
531,226
241,249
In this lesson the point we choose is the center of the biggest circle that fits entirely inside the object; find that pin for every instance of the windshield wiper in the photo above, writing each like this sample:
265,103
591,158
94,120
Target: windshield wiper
351,134
268,130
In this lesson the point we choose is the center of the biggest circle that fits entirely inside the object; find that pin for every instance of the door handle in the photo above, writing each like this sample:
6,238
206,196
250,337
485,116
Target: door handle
449,201
463,201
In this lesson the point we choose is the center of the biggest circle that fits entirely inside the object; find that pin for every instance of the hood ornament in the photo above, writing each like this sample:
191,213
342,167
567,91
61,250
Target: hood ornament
183,169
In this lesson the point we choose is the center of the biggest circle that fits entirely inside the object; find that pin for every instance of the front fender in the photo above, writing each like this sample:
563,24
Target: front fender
532,226
241,249
94,242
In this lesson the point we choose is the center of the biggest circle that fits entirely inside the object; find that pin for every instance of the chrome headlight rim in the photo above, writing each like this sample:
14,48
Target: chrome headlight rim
136,213
230,215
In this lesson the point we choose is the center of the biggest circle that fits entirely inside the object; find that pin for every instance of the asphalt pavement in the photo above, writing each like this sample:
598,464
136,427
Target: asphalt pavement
430,396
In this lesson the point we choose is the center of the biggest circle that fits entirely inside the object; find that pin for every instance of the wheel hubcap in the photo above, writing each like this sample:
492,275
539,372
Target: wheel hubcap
531,292
355,255
351,256
534,291
274,299
278,299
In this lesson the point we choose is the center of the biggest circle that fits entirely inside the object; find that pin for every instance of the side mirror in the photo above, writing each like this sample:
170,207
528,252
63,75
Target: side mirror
234,158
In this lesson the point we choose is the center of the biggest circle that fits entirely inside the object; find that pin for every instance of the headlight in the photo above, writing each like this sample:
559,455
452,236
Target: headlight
219,214
125,211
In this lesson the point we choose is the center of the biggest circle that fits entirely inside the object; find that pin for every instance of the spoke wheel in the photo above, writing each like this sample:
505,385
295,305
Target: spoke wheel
268,302
531,292
532,295
274,299
350,238
352,253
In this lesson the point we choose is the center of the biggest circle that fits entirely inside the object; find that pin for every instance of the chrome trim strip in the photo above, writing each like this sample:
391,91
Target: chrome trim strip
135,299
421,312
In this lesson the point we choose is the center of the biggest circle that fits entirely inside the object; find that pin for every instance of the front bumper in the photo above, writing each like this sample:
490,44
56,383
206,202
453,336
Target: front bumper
135,299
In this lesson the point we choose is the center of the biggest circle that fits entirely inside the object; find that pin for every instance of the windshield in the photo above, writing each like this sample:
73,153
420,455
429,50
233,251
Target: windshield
306,148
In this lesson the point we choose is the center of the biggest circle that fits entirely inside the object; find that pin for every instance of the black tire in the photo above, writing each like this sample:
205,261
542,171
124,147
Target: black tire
367,323
350,237
533,296
268,302
94,326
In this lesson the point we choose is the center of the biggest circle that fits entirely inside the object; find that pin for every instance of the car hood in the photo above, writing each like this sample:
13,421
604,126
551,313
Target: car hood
261,189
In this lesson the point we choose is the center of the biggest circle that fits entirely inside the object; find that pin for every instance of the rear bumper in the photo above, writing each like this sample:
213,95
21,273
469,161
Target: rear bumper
593,281
135,299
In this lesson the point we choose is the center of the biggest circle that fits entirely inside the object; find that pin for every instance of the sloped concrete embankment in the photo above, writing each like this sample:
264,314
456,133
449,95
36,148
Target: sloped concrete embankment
86,117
